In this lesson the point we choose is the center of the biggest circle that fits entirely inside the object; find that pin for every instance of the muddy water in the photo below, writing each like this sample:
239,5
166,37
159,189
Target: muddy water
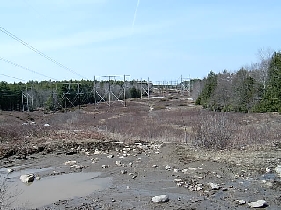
51,189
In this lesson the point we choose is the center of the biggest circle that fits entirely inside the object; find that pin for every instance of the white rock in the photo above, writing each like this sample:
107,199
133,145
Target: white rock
160,199
176,170
110,156
123,171
192,169
214,186
118,163
27,178
70,162
167,167
10,170
46,125
77,166
241,202
105,166
154,166
278,170
179,184
185,171
267,170
177,180
97,152
258,204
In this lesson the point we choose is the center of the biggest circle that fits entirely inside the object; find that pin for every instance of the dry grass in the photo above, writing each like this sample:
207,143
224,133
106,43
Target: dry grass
139,121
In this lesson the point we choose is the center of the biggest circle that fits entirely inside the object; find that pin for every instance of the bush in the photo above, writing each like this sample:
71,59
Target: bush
213,130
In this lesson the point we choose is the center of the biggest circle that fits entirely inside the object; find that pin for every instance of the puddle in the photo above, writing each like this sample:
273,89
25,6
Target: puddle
51,189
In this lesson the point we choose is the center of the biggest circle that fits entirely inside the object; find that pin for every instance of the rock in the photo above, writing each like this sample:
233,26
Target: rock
176,170
97,152
105,166
123,171
77,166
10,170
214,186
278,170
110,156
70,162
258,204
154,166
240,202
267,170
118,163
46,125
160,199
167,167
27,178
134,176
185,171
177,180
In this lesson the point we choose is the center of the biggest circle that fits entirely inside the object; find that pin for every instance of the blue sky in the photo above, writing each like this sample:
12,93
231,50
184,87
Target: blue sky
169,38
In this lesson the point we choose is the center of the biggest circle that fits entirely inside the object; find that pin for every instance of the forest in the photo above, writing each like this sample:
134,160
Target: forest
49,95
256,88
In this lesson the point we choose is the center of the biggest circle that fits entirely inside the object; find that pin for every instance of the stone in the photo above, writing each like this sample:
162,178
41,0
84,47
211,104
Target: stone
154,166
76,166
240,202
214,186
110,156
10,170
105,166
27,178
258,204
167,167
160,199
123,171
97,152
118,163
46,125
70,162
278,170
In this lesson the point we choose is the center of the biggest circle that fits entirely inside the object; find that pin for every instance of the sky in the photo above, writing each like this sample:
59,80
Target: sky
162,40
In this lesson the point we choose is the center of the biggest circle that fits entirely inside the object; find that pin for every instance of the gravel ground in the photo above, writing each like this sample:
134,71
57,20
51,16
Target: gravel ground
192,179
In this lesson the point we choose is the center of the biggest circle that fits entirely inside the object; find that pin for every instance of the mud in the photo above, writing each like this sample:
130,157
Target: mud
123,176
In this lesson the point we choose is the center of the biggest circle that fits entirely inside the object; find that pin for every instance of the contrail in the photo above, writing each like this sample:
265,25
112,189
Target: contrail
135,16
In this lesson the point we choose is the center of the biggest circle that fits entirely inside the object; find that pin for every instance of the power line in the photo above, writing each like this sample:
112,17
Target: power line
5,75
37,51
25,68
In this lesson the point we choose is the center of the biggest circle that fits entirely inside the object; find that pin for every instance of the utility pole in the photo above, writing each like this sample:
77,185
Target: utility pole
141,87
148,87
109,90
125,89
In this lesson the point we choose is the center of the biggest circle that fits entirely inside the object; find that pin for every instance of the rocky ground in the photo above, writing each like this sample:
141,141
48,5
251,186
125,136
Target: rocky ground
139,157
191,179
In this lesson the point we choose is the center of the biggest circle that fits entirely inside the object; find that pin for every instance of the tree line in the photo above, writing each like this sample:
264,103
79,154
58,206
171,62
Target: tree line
64,94
254,88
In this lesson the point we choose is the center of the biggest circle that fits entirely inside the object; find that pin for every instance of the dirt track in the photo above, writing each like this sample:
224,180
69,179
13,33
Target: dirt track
174,170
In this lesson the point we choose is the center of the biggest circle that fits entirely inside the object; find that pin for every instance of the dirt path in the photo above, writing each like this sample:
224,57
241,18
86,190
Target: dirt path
135,173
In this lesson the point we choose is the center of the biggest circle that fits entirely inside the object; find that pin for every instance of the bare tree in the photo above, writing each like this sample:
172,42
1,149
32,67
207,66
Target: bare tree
264,57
